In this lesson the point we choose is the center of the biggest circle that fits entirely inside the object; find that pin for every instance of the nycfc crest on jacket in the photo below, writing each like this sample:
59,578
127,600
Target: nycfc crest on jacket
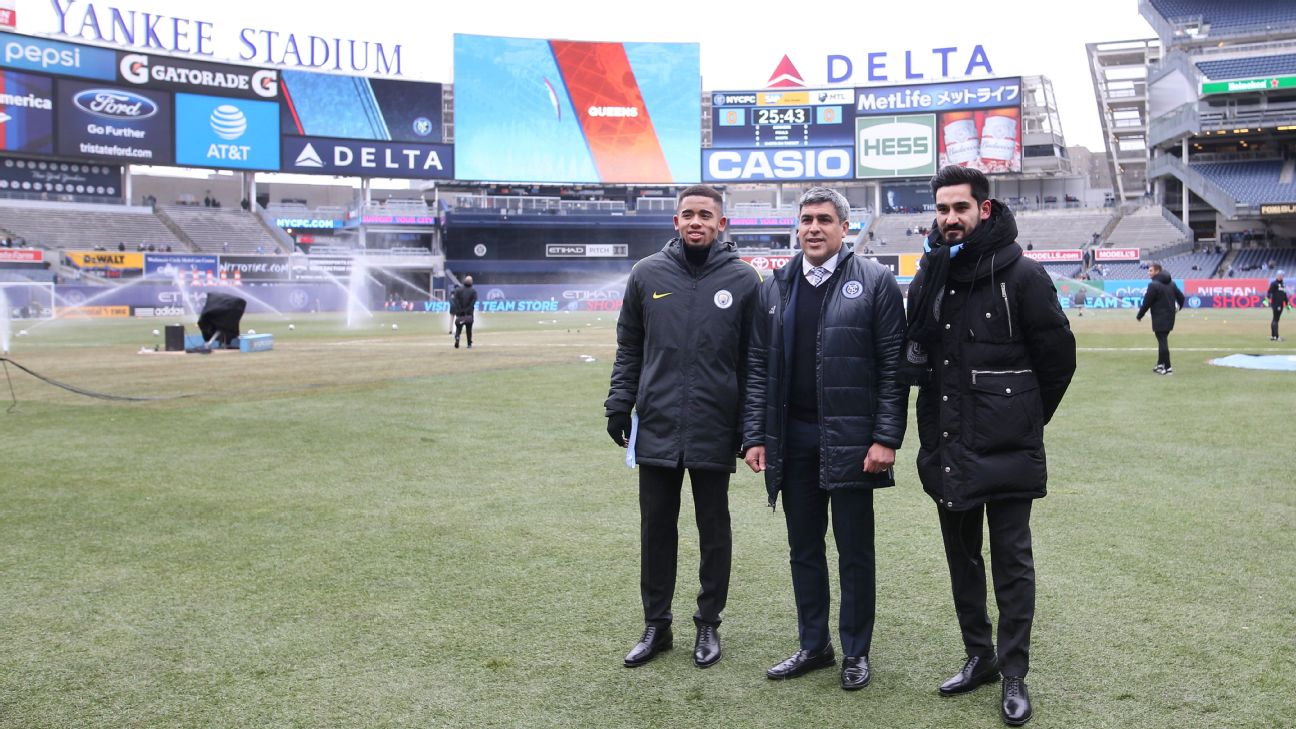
680,342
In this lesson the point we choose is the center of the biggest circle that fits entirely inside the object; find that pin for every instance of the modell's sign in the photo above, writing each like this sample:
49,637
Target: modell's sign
1116,254
220,79
1057,255
20,255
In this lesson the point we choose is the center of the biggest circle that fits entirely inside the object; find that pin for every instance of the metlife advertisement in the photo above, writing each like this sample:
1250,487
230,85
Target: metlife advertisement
95,120
226,133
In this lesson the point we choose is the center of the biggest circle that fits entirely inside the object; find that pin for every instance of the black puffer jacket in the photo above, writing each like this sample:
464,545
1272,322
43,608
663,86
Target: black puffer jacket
1163,298
681,336
1004,360
861,332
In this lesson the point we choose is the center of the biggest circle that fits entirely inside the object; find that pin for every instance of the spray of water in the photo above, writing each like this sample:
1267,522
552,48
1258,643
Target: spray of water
5,326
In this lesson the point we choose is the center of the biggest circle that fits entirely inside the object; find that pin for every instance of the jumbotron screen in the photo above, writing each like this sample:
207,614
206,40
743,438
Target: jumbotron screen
534,110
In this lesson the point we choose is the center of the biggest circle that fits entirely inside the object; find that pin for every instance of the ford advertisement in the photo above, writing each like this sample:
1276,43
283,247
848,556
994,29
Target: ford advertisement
97,120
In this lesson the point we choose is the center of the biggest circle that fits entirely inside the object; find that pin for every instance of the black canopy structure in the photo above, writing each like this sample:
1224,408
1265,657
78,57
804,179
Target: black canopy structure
220,319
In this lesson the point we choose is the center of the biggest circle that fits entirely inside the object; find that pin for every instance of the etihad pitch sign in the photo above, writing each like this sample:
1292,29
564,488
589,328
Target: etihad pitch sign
226,133
775,165
346,107
576,112
65,59
26,113
312,155
587,250
177,74
895,146
132,125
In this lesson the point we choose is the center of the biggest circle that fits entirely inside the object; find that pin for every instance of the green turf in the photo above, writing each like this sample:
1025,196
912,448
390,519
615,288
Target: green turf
369,528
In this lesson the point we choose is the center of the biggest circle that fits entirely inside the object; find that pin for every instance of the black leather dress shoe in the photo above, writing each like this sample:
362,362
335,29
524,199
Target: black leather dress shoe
978,670
855,673
1016,708
706,651
654,641
803,662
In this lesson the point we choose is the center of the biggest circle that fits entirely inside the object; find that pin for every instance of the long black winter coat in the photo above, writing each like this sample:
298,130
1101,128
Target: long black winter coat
1005,358
681,339
1163,298
463,302
861,334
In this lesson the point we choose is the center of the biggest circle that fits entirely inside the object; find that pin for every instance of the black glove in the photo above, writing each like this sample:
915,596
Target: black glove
619,428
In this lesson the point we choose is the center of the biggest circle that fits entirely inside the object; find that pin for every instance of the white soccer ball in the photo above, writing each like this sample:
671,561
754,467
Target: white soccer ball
394,327
156,332
22,332
291,327
251,331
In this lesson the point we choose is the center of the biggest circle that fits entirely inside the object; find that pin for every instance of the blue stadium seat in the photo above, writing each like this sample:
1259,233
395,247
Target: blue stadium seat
1232,68
1249,182
1226,17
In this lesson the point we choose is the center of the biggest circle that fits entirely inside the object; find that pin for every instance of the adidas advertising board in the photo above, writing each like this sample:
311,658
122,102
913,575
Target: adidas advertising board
226,133
315,155
100,120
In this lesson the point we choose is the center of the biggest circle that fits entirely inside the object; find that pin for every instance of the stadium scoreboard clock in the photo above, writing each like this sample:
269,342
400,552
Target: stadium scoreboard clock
791,118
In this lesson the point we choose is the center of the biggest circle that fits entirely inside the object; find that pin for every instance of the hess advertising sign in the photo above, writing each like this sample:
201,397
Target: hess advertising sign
895,146
117,123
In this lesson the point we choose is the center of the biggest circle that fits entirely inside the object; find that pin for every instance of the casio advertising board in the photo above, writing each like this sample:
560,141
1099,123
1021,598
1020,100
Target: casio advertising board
178,74
314,155
776,165
26,113
895,146
98,120
65,59
226,133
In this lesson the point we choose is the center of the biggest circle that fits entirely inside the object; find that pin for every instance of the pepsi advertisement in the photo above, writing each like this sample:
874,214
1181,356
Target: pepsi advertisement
27,110
96,120
65,59
226,133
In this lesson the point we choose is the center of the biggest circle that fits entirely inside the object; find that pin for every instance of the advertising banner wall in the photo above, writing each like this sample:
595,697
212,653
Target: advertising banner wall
1055,255
170,301
1116,254
189,266
255,268
777,164
97,120
573,111
21,255
179,74
112,264
27,105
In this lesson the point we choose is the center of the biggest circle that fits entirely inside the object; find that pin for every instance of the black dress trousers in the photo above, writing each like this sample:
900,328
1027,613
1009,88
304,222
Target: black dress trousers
659,506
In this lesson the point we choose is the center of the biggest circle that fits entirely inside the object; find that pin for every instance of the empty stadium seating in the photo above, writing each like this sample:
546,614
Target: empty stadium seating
1060,228
1249,67
1248,263
212,228
84,225
1250,182
1226,17
1145,228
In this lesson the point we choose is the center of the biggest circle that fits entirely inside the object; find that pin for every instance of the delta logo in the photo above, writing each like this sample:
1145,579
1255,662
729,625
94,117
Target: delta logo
786,76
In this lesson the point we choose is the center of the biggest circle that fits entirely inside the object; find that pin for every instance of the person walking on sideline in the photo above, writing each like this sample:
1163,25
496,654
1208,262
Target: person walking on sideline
1163,299
1278,300
463,305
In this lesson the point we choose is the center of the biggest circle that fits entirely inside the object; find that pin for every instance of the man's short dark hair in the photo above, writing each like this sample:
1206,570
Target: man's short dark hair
700,191
1155,264
952,175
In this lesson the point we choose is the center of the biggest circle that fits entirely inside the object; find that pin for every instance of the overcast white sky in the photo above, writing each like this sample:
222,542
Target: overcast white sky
740,43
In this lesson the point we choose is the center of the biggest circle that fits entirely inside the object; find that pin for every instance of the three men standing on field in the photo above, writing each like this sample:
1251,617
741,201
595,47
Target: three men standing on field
824,384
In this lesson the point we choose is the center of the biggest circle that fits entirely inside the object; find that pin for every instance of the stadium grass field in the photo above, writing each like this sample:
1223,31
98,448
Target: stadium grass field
369,528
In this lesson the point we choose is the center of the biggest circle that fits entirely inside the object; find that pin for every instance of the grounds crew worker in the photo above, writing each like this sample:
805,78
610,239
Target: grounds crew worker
681,344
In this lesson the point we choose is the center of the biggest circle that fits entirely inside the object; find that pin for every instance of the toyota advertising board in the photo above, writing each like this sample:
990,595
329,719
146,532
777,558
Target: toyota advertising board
103,121
226,133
